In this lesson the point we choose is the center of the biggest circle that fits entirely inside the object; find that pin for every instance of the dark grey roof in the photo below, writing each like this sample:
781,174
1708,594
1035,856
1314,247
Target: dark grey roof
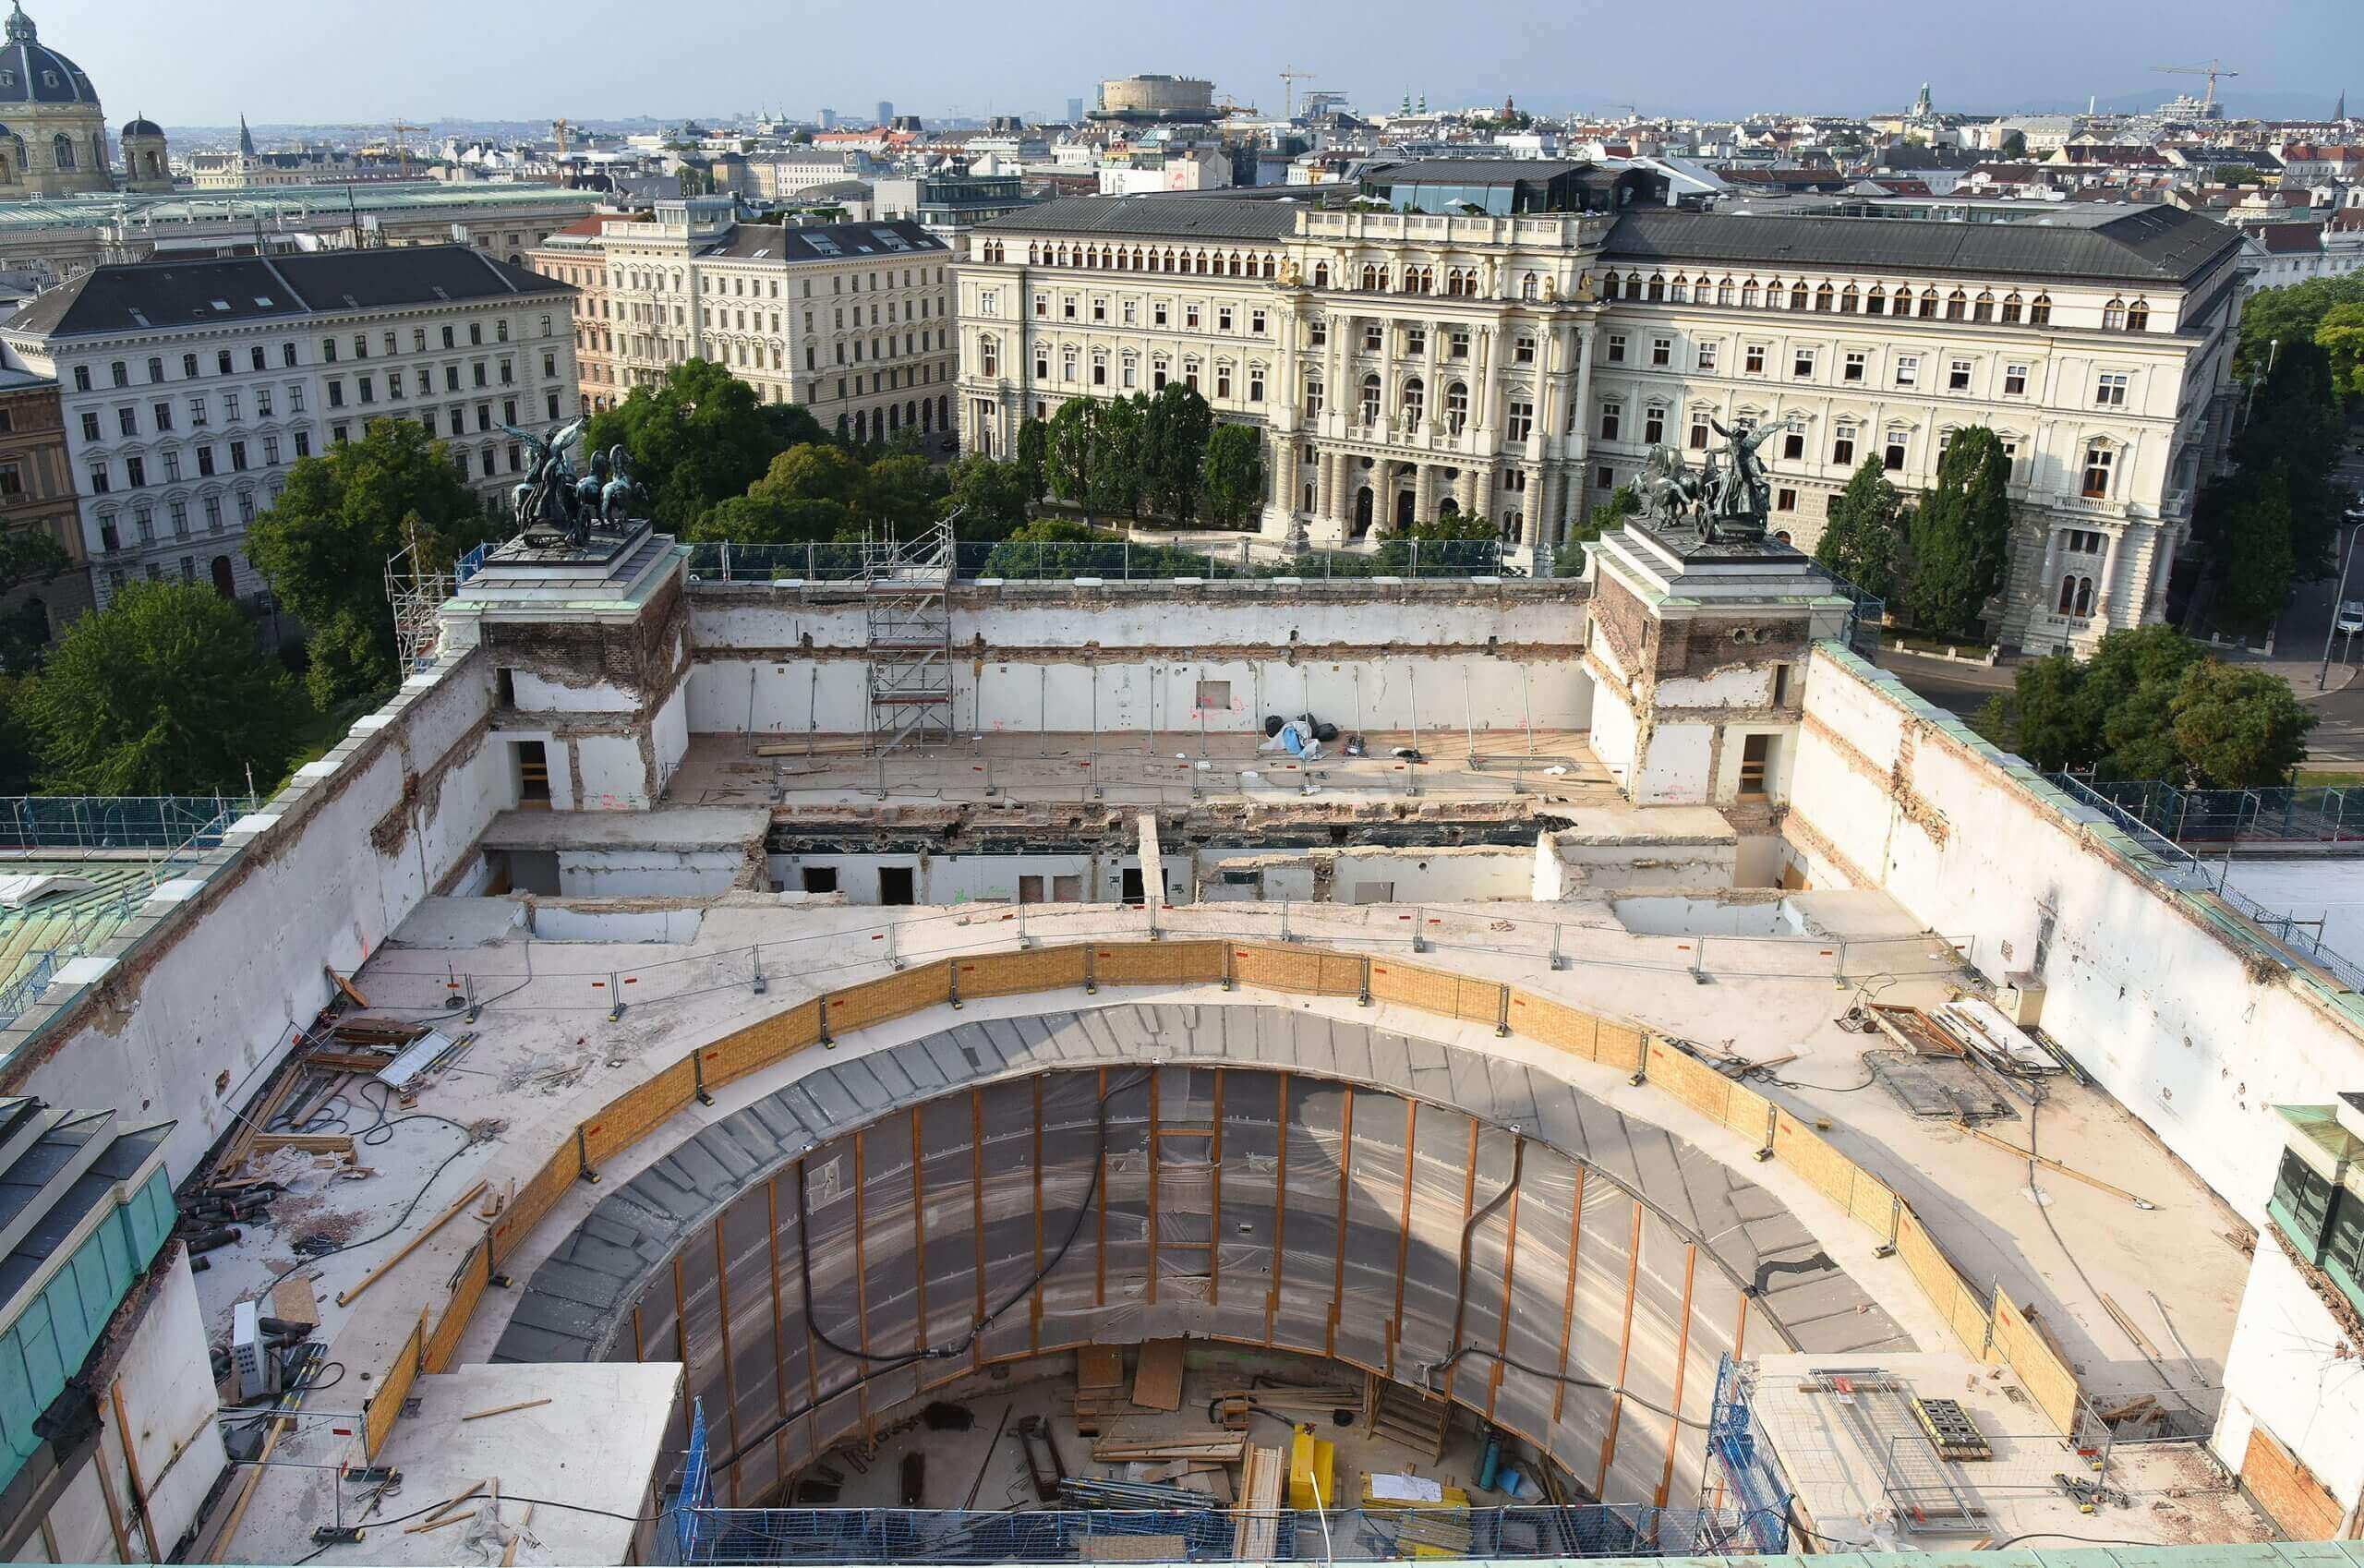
1477,171
2146,244
1177,217
142,125
148,294
32,74
824,242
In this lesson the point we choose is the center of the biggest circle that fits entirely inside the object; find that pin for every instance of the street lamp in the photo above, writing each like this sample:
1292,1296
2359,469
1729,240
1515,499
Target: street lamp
2338,597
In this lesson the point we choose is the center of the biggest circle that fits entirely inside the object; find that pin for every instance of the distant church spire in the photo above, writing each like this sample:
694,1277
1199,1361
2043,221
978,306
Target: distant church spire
2341,113
245,139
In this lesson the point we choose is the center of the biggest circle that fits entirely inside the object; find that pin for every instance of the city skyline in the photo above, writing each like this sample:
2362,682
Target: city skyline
194,68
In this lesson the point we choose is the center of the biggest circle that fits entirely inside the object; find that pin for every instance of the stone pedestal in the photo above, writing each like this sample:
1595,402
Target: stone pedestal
1698,656
588,653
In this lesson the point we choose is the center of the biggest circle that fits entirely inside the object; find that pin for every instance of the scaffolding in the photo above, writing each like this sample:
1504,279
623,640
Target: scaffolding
417,596
906,605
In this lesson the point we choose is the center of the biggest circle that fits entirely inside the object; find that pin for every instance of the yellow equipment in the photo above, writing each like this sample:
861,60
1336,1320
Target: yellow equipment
1312,1467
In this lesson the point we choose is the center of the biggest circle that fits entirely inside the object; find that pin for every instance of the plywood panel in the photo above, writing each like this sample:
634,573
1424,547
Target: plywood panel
1478,1000
1693,1083
889,996
1432,990
1003,974
1825,1168
1620,1046
2302,1504
2047,1378
394,1386
760,1044
1158,964
632,1116
1555,1023
1749,1113
1276,968
535,1198
443,1345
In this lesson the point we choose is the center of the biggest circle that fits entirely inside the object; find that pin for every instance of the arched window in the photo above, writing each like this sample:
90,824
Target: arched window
1529,285
1748,294
1322,275
1774,295
1848,300
1957,305
1370,400
1678,291
1657,286
1415,401
1929,304
1456,408
1876,302
1824,298
1724,291
62,148
2013,308
1608,282
1371,276
1983,310
2040,310
1798,294
1901,303
2138,316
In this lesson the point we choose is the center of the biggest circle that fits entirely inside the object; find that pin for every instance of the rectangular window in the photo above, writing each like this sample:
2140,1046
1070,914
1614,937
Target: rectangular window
2109,391
1785,500
1754,361
1802,364
1617,348
1958,375
1610,414
2015,381
90,425
1908,370
2098,459
1708,356
1697,440
1661,351
1892,457
1793,445
1842,445
135,470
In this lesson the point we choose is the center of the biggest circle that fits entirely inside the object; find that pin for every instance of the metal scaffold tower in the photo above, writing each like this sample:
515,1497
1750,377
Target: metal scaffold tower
907,604
416,594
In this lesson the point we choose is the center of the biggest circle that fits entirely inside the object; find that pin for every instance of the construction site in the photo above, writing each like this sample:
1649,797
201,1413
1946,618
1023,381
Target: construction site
902,1067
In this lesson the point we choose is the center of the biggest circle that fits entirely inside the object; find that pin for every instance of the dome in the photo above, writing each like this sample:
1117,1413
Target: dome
31,74
143,125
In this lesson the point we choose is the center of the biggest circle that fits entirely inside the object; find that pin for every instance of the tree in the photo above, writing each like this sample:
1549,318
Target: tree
1024,553
1118,448
1234,474
323,546
2235,173
1624,501
27,560
2015,146
1864,538
2287,316
813,472
2297,427
1067,450
991,498
2259,560
161,692
904,491
762,517
695,438
1033,457
1175,426
2111,714
1960,537
2238,727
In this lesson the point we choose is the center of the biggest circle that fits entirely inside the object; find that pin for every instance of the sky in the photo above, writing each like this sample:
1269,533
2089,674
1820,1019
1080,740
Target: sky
337,62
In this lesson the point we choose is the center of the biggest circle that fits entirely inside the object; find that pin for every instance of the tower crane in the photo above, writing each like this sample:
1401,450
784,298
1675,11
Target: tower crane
401,131
1290,77
2211,70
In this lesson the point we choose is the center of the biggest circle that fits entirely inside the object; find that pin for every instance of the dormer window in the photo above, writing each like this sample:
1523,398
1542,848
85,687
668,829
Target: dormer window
49,78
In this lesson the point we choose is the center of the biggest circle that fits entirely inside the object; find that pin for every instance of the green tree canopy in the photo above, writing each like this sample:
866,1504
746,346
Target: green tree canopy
1174,431
1033,457
161,692
905,492
2238,727
1864,538
2015,146
323,544
1234,474
1960,537
2261,559
697,438
768,517
991,498
815,472
2287,316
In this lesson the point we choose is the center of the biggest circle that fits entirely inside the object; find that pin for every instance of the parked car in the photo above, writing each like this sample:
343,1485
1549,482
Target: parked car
2350,619
2356,513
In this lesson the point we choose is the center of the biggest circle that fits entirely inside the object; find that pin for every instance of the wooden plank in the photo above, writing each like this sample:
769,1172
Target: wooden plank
1157,1379
1100,1367
344,1297
503,1410
352,992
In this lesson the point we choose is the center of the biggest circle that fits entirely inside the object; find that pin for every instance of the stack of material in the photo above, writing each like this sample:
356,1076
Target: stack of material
1193,1463
1257,1539
1100,1395
1290,1403
1427,1519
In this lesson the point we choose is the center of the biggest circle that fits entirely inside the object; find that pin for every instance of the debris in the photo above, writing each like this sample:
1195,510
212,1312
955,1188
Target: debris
505,1409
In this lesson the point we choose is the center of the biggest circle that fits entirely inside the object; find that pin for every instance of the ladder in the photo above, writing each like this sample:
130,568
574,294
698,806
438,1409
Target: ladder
906,605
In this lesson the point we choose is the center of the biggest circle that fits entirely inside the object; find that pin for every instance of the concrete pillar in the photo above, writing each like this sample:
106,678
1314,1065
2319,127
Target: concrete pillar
1424,492
1579,444
2046,593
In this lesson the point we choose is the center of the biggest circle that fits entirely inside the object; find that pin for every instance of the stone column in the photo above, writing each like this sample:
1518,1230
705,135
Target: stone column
2047,595
1424,493
1466,490
1482,412
2108,583
1580,445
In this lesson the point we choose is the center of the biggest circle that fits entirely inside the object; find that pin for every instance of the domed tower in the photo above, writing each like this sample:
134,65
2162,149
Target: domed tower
147,168
57,141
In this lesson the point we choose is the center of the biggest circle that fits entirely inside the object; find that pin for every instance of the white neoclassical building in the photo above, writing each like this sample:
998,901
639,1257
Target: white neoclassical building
1520,363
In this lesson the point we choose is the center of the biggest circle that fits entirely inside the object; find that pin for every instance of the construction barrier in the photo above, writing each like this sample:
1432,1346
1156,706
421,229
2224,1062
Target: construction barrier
1992,1331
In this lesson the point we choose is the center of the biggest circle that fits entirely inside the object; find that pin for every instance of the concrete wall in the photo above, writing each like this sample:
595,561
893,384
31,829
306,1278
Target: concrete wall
185,1011
652,874
947,879
2284,1373
1458,873
1133,657
2176,1005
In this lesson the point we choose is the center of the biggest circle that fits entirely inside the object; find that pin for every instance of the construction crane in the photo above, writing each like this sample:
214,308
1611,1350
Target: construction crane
1290,77
560,129
401,131
2211,70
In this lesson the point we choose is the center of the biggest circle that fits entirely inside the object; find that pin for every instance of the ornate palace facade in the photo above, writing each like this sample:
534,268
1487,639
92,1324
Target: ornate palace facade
1519,366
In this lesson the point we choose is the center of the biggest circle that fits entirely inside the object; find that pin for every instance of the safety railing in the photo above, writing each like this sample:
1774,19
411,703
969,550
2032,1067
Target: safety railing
1113,561
117,822
1214,1534
19,995
1742,1470
2178,867
2307,815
